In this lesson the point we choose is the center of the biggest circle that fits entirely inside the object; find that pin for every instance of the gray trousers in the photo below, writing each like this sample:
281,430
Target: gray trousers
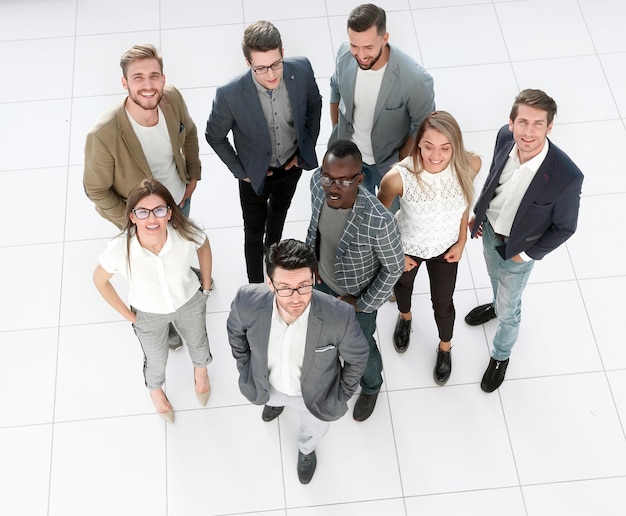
152,332
311,429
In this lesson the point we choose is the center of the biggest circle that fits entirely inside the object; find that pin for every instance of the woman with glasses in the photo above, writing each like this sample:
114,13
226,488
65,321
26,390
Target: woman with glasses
154,253
435,187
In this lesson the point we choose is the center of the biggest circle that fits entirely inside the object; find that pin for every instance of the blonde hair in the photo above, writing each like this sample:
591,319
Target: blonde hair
444,123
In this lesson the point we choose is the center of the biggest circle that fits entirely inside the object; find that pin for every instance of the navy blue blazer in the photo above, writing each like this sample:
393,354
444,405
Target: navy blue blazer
237,108
548,213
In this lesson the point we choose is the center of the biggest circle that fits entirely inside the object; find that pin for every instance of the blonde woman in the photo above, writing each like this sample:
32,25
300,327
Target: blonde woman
435,187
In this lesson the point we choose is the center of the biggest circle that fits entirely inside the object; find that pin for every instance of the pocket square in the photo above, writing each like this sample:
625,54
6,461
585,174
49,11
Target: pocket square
325,348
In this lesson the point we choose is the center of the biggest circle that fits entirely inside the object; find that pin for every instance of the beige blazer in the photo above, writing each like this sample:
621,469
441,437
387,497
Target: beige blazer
115,162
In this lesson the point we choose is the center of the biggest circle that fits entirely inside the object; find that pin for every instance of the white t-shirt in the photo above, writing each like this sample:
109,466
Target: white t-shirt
158,284
366,91
429,219
157,147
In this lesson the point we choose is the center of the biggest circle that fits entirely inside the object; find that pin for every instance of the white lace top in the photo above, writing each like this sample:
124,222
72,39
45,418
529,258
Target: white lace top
430,212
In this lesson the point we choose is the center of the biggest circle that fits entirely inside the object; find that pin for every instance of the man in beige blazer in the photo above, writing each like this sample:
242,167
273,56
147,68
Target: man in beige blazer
129,143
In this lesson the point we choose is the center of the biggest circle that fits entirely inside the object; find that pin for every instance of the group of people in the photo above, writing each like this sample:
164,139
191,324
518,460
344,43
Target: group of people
395,189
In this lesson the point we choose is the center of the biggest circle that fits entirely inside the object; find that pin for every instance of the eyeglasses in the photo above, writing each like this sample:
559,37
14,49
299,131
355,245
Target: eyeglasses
144,213
260,70
288,291
341,183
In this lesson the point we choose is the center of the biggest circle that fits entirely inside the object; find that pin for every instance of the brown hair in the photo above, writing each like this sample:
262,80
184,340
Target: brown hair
261,36
364,16
534,98
137,53
181,223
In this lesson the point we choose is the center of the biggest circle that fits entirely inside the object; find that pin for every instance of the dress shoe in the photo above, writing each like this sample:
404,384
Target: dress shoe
168,416
306,466
443,366
364,406
203,397
270,413
480,315
494,375
401,335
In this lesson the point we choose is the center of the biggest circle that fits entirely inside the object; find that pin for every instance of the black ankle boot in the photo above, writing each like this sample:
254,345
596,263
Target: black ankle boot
443,366
401,335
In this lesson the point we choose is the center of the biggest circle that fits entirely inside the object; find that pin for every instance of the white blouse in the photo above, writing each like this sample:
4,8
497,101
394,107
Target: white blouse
431,209
158,284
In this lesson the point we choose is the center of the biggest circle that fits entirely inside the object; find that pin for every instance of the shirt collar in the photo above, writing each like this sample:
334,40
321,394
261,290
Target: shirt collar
532,164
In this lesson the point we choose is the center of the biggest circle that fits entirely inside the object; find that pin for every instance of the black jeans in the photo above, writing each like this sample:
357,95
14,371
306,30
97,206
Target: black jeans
264,216
442,277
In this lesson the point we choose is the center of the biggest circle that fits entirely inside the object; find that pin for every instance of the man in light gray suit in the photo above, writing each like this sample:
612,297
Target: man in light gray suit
296,346
274,113
378,94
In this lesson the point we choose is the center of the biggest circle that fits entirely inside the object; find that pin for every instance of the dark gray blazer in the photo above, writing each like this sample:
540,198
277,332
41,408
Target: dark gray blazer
237,108
332,332
548,213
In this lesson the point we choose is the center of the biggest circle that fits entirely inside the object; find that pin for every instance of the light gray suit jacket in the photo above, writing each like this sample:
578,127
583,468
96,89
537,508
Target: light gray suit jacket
332,332
406,96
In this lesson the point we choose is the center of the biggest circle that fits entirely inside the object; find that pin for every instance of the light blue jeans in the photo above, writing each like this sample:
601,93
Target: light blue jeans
508,280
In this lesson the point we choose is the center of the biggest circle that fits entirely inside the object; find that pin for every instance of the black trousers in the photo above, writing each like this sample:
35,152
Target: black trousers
442,277
264,216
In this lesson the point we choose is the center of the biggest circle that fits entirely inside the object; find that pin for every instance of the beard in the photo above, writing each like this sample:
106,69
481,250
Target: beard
373,62
146,103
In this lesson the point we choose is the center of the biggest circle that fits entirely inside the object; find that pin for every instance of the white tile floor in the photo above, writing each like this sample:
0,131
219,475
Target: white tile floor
78,435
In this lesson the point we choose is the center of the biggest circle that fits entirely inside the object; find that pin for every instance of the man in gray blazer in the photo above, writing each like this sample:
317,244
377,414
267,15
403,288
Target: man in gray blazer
369,68
296,346
274,114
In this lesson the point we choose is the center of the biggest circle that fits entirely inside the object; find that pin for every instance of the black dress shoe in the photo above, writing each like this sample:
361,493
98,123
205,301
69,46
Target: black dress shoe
480,315
364,406
306,466
270,413
494,375
443,366
402,335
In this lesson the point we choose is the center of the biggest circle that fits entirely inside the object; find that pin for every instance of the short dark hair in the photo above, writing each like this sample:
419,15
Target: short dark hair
261,36
364,16
343,149
290,254
534,98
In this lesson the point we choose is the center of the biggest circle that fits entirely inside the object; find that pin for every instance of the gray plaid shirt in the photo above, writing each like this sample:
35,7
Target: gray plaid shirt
369,258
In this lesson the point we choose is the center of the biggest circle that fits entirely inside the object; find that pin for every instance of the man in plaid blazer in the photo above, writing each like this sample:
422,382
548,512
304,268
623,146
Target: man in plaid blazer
357,244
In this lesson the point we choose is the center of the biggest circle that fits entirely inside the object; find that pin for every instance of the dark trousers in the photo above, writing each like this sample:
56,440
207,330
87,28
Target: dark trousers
372,378
442,277
264,216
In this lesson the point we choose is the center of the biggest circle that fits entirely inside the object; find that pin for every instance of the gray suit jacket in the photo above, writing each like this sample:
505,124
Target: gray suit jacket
332,332
237,108
406,96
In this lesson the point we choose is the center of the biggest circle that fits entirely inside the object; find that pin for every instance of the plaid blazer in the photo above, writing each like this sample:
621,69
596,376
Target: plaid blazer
369,258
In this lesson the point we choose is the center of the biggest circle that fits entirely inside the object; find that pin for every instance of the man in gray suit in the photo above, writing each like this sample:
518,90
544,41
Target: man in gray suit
296,346
274,114
369,68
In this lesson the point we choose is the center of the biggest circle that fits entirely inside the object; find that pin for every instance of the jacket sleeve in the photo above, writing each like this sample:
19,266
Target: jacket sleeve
354,350
191,147
564,221
237,336
388,249
218,126
313,108
98,173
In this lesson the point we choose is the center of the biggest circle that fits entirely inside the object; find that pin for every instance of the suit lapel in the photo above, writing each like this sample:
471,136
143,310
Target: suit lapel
293,92
250,96
131,141
389,77
540,181
352,226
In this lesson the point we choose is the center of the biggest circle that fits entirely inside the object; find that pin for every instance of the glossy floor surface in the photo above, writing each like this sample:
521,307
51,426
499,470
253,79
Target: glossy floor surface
78,435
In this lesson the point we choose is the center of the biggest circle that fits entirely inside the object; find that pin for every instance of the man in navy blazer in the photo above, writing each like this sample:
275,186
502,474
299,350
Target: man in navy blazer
527,208
296,346
274,114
